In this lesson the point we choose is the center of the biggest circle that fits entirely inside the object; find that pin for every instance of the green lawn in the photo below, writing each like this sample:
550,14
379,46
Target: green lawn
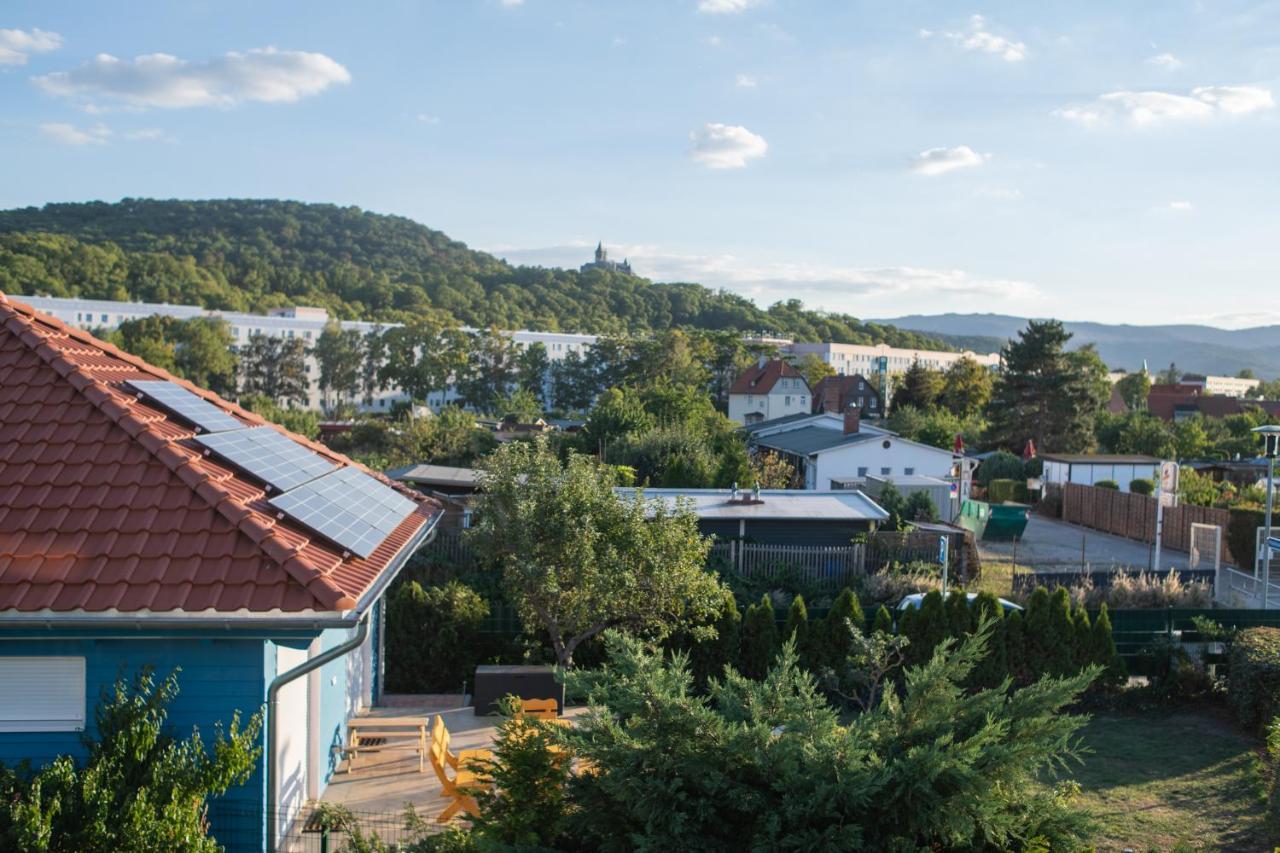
1178,782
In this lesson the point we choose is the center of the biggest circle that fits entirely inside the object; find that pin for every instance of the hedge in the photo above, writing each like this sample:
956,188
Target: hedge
999,491
1108,484
1253,683
1142,486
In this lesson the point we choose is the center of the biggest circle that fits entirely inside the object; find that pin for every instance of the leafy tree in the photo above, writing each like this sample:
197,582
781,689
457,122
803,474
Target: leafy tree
1134,388
532,367
759,638
573,383
521,404
340,356
918,386
615,415
1046,394
770,470
490,369
936,427
423,355
892,502
1001,465
302,421
1170,376
140,786
199,349
966,388
275,368
766,764
578,560
813,369
375,355
153,339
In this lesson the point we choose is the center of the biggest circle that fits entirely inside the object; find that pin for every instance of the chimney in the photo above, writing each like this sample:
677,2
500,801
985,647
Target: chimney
852,420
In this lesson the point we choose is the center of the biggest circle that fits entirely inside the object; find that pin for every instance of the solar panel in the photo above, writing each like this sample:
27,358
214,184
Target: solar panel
181,402
348,507
268,455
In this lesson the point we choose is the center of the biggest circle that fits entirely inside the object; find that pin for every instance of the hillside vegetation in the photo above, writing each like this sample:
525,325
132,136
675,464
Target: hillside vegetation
251,255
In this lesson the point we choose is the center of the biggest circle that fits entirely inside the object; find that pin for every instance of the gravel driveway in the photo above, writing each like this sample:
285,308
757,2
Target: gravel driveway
1048,545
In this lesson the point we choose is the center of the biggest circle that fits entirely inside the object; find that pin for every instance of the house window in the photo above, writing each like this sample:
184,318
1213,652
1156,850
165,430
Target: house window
873,403
861,385
802,400
42,694
908,471
885,472
104,318
786,401
750,399
862,470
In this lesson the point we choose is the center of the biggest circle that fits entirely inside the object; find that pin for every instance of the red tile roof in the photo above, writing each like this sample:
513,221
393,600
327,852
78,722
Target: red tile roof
106,504
760,380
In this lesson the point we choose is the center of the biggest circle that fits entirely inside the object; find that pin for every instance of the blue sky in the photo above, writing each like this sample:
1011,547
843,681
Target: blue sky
1091,161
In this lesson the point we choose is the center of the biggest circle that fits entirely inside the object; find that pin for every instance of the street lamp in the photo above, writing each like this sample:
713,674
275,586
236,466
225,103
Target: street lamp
1271,448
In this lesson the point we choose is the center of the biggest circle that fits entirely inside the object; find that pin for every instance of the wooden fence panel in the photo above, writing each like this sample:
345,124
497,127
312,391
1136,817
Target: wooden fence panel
1134,516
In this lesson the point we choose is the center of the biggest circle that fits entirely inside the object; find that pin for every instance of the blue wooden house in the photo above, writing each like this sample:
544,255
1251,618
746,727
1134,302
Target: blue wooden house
144,521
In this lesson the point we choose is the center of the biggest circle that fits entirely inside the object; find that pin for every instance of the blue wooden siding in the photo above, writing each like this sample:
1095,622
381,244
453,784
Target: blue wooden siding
335,677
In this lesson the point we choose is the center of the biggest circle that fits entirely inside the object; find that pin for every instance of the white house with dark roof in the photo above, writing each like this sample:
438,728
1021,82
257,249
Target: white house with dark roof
831,451
768,390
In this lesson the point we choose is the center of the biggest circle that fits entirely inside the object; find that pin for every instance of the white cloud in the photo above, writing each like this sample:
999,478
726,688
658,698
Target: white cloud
68,134
163,81
427,118
725,7
510,4
1167,61
939,161
745,81
1180,206
978,36
1148,108
149,134
726,146
17,45
837,288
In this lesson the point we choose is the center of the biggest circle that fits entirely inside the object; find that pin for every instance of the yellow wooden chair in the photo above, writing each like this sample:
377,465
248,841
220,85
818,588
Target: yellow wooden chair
460,788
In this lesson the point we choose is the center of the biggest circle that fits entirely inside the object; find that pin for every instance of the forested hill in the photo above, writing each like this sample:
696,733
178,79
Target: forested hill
250,255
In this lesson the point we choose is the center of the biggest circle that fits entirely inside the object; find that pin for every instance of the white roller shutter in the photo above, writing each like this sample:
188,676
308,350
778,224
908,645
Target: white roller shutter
42,694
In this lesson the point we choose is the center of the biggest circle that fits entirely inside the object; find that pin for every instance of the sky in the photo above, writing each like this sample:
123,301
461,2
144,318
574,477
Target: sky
1103,161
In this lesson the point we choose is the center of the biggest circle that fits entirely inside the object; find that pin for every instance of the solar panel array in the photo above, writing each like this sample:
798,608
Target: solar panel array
191,408
347,507
268,455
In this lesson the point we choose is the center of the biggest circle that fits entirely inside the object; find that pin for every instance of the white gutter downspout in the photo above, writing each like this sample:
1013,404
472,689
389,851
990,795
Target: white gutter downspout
273,693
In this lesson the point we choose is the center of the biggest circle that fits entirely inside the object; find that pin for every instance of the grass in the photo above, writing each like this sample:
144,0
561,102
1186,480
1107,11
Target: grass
1184,781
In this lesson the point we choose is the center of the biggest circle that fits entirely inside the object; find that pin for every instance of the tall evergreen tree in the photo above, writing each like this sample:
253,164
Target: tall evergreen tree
797,630
919,386
883,621
994,668
1044,393
759,638
834,642
1105,653
1015,648
709,657
1062,635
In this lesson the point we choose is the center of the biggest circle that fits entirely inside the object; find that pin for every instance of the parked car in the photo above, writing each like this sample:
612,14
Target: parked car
915,599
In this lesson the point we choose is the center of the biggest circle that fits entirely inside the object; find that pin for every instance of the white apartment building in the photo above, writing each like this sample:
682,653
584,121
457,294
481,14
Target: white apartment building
865,358
298,322
1230,386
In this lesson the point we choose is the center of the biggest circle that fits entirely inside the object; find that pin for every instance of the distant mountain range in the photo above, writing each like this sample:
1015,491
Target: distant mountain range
1197,349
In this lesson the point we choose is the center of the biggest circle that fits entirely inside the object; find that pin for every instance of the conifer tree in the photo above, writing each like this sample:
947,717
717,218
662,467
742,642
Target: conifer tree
959,617
1015,648
1105,653
994,668
1036,634
833,642
759,638
883,622
1061,657
797,630
931,627
1082,647
709,657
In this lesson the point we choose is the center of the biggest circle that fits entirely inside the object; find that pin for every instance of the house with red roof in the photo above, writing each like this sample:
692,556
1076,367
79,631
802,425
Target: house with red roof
768,390
147,522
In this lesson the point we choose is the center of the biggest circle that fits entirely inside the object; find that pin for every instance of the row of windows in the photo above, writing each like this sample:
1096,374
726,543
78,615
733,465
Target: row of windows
885,472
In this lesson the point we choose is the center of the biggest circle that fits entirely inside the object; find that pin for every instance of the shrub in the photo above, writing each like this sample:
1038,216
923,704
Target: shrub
1104,653
919,507
892,585
433,636
1142,591
139,787
1007,490
1001,465
526,805
1253,683
883,621
1142,486
994,668
759,638
1108,484
766,765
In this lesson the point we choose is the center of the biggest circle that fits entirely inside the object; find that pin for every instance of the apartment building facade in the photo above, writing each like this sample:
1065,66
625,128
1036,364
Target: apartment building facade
848,359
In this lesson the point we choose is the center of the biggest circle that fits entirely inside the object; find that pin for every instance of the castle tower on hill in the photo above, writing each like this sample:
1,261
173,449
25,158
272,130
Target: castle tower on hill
602,262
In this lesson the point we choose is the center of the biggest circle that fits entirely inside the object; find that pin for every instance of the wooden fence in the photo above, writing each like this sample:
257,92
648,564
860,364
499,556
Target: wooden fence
822,564
1134,516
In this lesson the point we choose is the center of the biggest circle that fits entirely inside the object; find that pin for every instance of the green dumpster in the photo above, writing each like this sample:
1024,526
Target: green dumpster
1001,521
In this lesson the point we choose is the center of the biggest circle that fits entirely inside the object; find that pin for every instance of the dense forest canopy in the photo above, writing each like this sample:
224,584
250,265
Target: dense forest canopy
251,255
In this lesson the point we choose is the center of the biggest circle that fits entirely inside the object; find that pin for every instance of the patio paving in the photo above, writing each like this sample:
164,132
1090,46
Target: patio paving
385,782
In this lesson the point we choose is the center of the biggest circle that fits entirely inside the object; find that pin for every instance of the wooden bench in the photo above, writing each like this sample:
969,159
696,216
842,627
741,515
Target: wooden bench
386,734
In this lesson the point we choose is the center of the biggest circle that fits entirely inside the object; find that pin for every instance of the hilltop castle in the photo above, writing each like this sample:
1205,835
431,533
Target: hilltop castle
602,262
